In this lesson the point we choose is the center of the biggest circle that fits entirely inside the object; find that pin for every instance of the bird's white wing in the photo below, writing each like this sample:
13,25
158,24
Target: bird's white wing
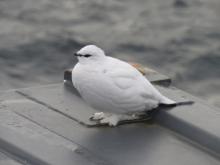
127,77
134,87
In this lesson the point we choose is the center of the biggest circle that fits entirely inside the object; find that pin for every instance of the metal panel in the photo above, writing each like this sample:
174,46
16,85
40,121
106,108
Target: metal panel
49,125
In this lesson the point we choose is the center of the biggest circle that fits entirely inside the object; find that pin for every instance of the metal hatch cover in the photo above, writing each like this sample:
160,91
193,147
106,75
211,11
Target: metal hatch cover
53,129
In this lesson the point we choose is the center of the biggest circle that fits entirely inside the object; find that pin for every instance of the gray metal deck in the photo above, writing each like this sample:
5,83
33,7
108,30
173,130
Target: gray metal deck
49,125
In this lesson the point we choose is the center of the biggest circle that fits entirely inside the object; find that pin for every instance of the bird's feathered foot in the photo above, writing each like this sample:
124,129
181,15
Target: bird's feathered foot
109,119
97,116
116,119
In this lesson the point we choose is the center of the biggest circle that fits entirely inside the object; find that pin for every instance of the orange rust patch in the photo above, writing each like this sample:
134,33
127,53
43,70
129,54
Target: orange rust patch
139,67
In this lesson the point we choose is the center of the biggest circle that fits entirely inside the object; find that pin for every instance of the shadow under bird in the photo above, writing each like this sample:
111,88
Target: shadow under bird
115,87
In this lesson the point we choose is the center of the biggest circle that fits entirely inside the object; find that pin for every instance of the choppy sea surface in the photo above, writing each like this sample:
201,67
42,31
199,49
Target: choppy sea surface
179,38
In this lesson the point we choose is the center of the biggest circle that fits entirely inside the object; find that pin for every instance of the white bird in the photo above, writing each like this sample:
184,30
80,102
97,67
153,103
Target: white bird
112,85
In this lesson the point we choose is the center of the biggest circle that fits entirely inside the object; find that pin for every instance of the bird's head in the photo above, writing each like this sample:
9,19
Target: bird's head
90,53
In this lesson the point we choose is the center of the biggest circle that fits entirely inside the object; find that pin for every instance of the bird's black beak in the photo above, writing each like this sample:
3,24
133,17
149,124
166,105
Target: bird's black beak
75,54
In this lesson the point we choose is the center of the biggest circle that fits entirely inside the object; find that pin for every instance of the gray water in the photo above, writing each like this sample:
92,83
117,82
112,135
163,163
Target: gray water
180,38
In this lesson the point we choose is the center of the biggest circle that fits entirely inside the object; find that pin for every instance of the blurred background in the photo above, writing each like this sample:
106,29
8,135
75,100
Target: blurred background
179,38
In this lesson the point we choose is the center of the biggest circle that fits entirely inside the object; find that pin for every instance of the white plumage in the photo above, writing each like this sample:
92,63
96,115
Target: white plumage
112,85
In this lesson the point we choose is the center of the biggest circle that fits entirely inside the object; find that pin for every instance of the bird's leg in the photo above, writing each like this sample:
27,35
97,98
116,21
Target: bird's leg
115,119
103,118
97,116
142,115
136,115
111,120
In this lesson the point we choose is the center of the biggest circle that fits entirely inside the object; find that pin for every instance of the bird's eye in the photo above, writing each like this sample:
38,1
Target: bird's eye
87,55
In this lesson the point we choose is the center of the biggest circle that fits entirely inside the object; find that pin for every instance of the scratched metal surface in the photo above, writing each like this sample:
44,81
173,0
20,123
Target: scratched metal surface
7,160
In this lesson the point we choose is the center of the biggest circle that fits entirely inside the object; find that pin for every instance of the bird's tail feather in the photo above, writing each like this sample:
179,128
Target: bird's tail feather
165,100
176,104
